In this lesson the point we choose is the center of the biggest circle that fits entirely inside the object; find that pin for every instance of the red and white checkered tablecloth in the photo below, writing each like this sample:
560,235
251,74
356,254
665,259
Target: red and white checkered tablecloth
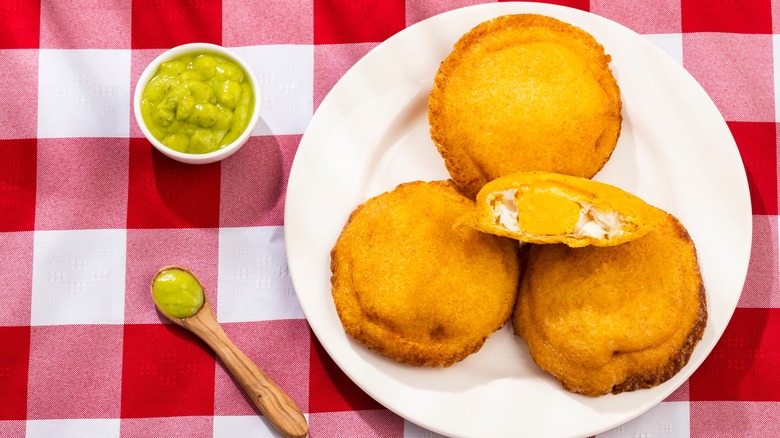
89,211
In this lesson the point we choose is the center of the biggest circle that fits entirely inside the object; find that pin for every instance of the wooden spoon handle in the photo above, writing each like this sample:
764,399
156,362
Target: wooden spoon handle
269,398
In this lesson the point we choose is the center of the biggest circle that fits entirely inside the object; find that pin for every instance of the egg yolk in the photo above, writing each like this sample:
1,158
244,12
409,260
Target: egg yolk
546,213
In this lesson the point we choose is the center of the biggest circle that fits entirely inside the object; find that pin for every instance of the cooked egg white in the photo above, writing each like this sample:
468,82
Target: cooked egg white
592,222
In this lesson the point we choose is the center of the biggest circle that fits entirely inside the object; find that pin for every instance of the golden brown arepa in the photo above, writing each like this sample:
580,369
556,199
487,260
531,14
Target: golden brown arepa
543,207
410,286
521,93
613,319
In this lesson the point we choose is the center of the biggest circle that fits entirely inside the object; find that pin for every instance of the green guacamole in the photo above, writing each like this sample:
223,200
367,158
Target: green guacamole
177,293
198,103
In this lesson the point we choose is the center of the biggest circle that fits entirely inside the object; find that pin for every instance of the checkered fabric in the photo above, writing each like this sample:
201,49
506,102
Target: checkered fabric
89,211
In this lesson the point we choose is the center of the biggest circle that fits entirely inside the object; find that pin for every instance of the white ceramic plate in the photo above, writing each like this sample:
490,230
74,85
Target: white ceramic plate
371,133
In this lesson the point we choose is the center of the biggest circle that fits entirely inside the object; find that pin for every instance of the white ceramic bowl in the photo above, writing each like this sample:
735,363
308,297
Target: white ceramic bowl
175,52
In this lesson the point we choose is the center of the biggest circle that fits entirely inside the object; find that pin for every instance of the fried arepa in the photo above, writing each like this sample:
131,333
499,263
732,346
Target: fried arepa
409,285
542,207
521,93
613,319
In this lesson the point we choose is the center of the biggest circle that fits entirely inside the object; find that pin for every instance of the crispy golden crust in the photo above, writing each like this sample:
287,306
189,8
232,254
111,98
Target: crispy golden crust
408,285
524,92
637,216
613,319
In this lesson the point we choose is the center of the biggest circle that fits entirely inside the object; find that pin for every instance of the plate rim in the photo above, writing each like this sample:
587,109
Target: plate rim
500,9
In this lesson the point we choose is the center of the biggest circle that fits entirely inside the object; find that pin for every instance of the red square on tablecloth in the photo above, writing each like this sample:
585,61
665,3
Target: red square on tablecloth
363,424
139,60
682,393
277,348
13,427
196,249
429,8
577,4
743,364
736,71
19,84
75,371
776,17
757,143
169,23
83,24
267,22
330,390
164,193
763,276
357,21
166,372
166,427
330,64
20,24
734,419
642,16
18,160
744,16
16,249
14,361
254,183
68,198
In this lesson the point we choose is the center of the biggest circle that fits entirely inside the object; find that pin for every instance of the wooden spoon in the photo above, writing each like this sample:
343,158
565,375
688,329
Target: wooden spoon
269,398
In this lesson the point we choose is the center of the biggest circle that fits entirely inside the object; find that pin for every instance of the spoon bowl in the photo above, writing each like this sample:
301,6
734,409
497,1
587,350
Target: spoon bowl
280,410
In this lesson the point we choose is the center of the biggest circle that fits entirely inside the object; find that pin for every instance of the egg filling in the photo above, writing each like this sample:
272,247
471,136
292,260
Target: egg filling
547,212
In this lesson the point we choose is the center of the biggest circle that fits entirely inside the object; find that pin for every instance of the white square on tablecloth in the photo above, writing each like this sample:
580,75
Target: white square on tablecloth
671,43
665,420
78,277
104,428
237,426
254,282
286,79
83,93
